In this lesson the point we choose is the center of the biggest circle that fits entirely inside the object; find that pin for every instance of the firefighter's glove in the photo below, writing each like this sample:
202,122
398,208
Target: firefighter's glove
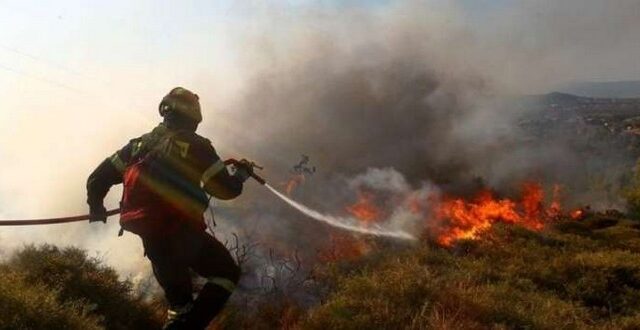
97,213
244,169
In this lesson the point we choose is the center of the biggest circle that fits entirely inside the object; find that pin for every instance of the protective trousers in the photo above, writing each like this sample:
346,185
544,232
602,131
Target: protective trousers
172,258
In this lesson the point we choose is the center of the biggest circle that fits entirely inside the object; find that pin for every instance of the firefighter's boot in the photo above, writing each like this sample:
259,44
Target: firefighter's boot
209,303
176,317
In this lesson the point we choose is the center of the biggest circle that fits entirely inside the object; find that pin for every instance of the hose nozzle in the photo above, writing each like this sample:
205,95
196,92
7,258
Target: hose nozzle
250,165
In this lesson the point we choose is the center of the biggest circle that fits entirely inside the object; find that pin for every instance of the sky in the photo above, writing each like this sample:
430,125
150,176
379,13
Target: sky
69,44
79,78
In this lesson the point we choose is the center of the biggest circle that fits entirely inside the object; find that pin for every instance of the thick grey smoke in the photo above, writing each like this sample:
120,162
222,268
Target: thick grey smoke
416,88
421,88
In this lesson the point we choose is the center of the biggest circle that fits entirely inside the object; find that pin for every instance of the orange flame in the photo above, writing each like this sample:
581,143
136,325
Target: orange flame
576,214
293,183
555,208
344,247
364,209
455,218
449,219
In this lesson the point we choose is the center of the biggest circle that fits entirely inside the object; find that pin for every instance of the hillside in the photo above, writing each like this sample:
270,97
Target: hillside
612,89
575,275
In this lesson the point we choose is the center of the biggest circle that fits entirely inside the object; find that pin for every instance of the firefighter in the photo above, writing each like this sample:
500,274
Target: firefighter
167,175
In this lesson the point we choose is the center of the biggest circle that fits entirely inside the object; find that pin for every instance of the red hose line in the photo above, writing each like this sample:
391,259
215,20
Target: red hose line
34,222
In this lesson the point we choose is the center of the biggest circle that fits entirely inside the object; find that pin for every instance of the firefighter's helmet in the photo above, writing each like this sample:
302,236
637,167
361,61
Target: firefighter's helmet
183,103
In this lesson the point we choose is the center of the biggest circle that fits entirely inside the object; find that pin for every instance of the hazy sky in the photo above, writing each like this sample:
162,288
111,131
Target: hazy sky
67,44
59,57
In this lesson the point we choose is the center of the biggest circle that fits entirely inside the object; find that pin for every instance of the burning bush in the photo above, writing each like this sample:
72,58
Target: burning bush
456,218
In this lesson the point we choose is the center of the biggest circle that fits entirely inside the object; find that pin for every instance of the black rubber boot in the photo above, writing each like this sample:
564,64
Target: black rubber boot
176,317
175,324
209,303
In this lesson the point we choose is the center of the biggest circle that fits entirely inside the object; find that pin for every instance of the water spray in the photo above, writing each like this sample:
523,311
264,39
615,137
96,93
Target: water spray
345,223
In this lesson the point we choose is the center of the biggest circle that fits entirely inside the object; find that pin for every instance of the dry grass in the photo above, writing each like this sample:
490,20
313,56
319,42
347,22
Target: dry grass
575,276
46,287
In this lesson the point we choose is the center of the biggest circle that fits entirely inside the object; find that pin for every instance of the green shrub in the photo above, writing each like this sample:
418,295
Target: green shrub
25,305
75,277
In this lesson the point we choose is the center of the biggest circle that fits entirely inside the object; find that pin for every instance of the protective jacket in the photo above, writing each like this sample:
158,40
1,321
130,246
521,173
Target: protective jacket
190,169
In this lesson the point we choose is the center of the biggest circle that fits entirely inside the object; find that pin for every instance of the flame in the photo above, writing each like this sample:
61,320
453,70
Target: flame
576,214
449,219
532,199
555,208
293,183
413,204
344,247
455,218
364,209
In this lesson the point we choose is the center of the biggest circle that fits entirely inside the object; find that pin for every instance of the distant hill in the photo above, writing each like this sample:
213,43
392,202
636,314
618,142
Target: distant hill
554,98
622,108
563,99
568,100
613,89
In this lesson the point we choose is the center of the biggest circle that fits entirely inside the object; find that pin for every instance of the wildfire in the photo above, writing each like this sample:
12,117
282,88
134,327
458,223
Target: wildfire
455,218
293,183
555,209
448,219
364,209
349,247
576,214
344,247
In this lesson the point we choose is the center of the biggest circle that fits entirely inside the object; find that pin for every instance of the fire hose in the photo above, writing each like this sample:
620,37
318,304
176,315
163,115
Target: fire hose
34,222
84,217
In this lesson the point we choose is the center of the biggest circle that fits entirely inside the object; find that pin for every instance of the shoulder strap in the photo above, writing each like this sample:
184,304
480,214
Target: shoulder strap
164,144
152,143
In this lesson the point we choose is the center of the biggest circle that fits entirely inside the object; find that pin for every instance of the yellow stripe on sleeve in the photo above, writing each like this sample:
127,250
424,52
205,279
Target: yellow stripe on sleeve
212,171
